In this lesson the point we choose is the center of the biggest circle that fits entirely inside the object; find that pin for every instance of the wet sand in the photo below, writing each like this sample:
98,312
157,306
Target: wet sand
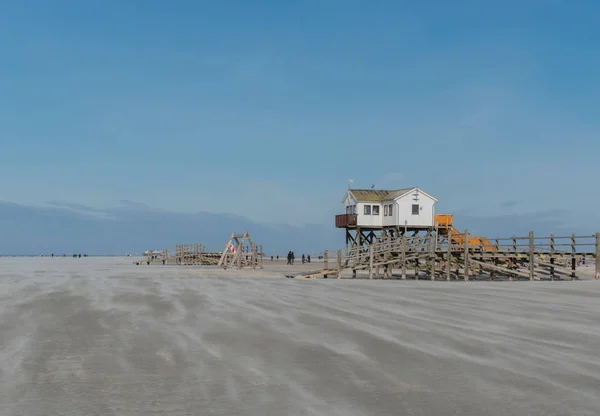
101,336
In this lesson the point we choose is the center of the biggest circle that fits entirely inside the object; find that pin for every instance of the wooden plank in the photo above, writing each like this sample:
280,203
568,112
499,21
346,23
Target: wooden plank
339,264
501,269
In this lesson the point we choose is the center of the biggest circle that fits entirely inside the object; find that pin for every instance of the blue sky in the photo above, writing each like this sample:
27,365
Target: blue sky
266,108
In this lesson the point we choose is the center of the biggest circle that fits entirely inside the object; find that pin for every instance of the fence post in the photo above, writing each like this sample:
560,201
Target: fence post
325,261
371,249
597,255
531,256
403,257
449,259
433,252
466,266
515,256
573,257
339,264
552,256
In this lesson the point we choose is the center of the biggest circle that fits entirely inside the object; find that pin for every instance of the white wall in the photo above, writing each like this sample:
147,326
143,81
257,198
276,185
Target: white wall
403,212
369,220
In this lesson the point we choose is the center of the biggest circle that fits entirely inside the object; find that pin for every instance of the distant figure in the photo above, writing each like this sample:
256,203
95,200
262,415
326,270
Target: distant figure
278,257
289,257
293,257
303,259
308,258
52,255
271,258
79,255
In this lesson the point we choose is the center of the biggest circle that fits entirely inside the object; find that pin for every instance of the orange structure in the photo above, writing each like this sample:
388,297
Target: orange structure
444,225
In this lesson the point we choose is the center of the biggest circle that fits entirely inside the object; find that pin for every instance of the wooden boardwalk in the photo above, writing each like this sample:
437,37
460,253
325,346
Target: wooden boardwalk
444,257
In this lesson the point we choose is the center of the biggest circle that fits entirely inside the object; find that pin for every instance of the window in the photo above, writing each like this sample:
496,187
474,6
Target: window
375,209
415,209
390,210
367,209
385,210
348,209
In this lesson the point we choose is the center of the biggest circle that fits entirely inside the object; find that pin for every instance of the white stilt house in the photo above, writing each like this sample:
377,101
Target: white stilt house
396,211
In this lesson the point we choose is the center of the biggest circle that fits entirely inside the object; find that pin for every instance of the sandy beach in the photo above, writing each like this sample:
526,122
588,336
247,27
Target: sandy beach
102,336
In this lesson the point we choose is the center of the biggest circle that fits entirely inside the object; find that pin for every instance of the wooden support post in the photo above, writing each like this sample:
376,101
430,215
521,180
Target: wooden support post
531,256
597,255
573,257
371,250
325,262
261,256
240,252
449,259
433,249
339,264
514,259
403,257
466,266
552,256
495,258
253,256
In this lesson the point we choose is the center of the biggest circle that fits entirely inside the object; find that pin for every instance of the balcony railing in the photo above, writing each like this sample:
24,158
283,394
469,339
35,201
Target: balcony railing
346,220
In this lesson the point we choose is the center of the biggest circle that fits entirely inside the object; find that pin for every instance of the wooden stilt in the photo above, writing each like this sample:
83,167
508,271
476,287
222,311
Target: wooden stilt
339,264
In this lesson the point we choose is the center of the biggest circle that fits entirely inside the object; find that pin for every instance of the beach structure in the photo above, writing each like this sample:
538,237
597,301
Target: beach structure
182,254
371,212
240,251
388,229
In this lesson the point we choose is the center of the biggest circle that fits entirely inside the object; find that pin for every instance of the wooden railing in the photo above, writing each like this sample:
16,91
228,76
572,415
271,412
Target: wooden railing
346,220
530,257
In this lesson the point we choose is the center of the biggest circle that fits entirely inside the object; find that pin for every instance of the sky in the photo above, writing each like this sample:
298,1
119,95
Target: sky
266,109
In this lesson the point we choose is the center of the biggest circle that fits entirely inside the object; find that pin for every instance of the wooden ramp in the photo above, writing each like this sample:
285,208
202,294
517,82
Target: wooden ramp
314,274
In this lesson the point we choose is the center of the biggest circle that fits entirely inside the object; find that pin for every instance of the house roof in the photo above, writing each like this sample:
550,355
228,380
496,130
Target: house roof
378,194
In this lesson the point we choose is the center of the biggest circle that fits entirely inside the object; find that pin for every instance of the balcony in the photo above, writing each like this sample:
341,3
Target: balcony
346,220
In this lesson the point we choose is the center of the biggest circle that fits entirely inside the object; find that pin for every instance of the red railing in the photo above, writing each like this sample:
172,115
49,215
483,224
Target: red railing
346,220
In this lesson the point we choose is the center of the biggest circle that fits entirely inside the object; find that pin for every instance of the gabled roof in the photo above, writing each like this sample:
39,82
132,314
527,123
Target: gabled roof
382,195
378,194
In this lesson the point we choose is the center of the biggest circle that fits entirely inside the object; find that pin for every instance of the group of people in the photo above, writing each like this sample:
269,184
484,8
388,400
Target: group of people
291,257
